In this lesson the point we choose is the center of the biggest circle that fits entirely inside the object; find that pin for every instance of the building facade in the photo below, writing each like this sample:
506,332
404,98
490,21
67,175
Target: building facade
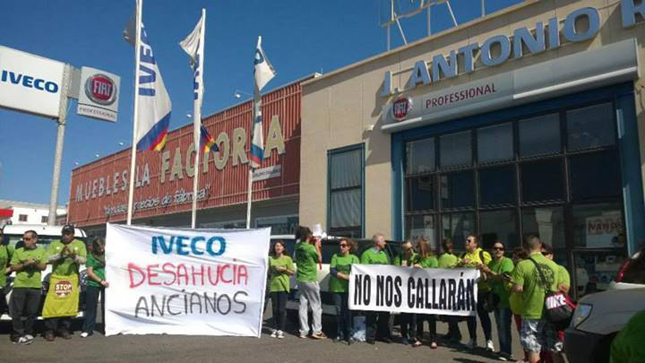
164,180
527,121
13,212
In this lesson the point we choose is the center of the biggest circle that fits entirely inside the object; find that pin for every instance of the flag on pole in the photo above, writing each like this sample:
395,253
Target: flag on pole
194,46
153,115
207,142
264,72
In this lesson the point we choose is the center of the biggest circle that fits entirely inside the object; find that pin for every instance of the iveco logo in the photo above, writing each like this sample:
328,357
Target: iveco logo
101,89
400,108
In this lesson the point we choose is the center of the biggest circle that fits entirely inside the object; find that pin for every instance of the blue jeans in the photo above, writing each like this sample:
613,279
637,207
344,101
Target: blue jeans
503,319
343,316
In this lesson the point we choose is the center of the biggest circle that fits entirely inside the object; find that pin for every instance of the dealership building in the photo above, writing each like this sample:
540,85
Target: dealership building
526,121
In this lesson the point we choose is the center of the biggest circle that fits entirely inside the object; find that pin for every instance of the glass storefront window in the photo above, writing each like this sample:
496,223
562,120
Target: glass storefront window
421,193
542,180
279,225
498,225
456,150
420,156
595,176
422,226
547,223
458,226
598,226
539,136
591,127
457,190
495,143
497,186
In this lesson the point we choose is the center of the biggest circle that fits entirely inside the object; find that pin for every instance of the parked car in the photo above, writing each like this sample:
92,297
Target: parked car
599,317
46,234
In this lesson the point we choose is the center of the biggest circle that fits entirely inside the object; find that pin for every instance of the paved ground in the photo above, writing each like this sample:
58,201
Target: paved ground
165,348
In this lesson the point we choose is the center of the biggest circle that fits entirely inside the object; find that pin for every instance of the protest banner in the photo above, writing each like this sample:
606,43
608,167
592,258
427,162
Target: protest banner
185,281
412,290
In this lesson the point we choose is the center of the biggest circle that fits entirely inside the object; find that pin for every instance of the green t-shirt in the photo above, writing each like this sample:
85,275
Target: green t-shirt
66,266
475,258
426,262
29,277
398,260
628,345
342,264
306,260
98,268
6,252
372,257
533,293
447,260
279,280
498,285
563,276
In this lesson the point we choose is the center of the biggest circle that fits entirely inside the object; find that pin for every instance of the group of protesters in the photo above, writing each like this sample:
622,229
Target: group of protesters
28,260
510,286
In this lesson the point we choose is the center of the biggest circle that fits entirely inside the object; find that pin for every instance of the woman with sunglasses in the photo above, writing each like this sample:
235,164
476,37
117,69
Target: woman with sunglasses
339,268
280,268
426,259
448,259
408,320
498,272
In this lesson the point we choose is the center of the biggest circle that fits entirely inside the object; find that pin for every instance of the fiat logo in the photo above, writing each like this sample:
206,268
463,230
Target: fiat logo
101,89
400,108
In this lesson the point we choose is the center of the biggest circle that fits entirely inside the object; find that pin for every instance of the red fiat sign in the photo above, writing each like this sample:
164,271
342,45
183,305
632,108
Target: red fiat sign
101,89
400,108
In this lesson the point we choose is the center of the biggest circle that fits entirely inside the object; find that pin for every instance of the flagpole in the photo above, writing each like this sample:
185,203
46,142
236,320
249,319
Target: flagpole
133,152
249,197
197,117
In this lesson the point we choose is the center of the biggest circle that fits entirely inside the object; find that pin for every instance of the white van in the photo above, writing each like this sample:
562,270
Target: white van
46,234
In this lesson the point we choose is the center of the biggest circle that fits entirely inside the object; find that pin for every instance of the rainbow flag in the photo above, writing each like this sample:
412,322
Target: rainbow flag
207,142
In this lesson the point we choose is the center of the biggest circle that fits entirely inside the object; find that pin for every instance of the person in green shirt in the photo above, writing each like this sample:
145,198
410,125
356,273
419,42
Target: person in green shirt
66,256
628,346
27,262
536,333
448,259
96,285
377,323
498,273
426,259
308,258
280,268
477,258
339,269
408,320
6,251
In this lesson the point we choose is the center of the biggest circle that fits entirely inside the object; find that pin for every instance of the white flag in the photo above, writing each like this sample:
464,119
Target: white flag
263,69
154,106
194,46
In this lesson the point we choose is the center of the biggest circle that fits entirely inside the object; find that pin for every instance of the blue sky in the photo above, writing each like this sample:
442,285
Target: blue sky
299,37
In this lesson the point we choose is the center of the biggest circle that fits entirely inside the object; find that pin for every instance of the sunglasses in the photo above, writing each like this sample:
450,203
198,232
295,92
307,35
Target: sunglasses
498,248
343,245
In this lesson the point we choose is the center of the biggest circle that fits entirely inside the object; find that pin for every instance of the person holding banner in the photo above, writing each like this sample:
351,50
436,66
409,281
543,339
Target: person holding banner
498,272
96,285
307,257
61,304
377,323
477,258
339,269
408,320
448,259
28,262
280,268
426,259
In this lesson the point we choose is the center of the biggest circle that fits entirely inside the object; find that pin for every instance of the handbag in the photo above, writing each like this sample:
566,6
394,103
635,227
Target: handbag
558,309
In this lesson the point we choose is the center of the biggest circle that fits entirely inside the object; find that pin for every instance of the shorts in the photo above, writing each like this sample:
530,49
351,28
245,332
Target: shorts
537,335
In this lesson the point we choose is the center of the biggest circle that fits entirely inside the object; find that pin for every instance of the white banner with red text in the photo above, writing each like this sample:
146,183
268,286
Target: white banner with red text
413,290
185,281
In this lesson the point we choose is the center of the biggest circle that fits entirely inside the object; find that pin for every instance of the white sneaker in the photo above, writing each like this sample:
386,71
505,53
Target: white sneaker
490,346
24,340
471,344
274,334
29,337
85,334
280,334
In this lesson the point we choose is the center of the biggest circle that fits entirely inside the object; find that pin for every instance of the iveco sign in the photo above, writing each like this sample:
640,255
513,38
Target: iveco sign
30,83
499,48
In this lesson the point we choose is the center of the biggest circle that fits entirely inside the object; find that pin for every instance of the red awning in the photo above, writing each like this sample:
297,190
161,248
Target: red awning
6,213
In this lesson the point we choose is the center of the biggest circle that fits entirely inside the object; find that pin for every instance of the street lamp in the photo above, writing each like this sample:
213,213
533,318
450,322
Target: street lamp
238,94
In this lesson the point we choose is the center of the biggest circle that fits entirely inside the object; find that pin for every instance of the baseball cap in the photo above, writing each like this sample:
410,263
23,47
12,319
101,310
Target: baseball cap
68,228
